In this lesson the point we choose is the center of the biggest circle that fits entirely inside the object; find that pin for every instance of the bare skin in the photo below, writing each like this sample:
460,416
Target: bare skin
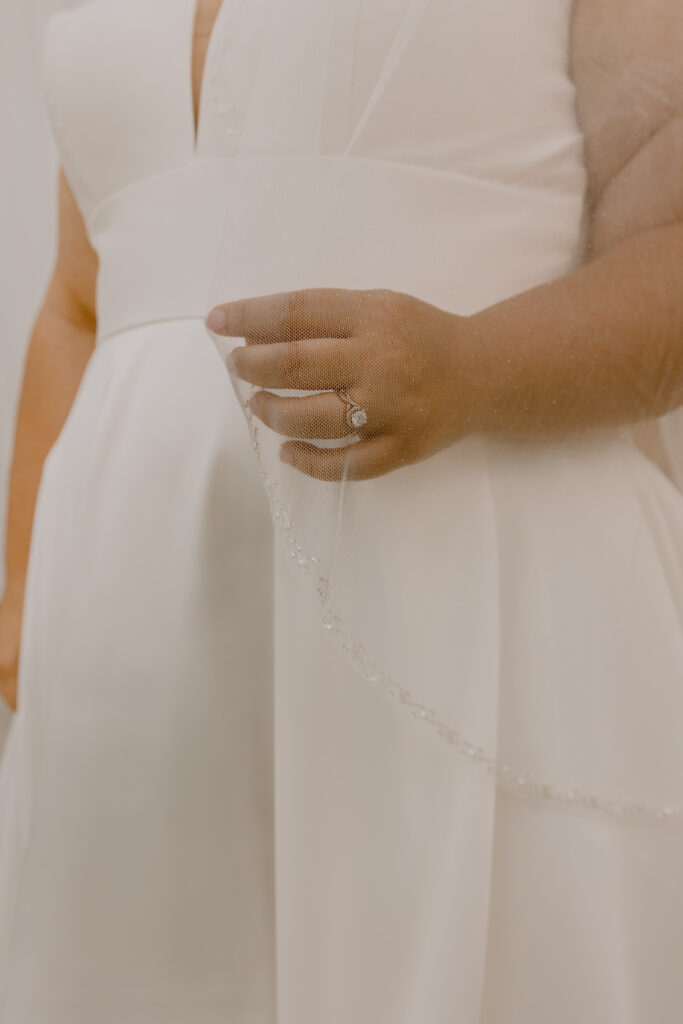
205,19
59,349
619,315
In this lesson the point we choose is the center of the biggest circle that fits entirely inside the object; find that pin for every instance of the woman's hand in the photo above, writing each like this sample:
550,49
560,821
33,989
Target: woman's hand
10,635
405,363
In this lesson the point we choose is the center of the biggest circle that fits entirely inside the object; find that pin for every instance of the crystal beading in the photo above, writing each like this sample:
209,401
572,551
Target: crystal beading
518,784
221,69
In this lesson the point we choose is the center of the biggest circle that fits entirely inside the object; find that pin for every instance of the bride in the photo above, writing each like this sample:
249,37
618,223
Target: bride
454,232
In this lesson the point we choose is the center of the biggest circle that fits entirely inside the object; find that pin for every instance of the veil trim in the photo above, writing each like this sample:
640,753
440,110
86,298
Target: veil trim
507,777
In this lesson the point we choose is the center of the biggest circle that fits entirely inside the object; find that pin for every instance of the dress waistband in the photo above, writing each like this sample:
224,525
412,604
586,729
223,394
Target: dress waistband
215,230
157,243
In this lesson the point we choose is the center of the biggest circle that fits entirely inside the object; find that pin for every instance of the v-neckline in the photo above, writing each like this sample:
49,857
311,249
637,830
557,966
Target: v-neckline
196,122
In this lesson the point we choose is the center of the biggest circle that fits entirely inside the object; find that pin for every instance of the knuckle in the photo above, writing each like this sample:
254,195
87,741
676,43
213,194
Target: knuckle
387,312
239,313
386,299
291,359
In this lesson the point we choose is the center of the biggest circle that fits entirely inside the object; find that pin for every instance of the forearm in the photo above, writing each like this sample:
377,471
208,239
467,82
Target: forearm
57,356
600,347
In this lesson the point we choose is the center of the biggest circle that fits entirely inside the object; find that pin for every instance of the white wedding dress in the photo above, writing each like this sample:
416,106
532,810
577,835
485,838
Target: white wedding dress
136,846
475,804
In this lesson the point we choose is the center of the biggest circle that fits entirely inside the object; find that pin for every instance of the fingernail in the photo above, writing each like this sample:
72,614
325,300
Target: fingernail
230,363
287,455
216,321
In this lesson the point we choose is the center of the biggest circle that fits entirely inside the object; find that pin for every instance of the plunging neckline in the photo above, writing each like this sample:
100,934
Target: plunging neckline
196,122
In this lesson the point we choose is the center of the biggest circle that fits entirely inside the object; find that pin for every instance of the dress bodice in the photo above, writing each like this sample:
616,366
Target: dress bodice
480,98
118,84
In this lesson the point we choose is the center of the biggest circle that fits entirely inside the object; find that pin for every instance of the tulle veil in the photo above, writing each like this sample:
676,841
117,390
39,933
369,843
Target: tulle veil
434,579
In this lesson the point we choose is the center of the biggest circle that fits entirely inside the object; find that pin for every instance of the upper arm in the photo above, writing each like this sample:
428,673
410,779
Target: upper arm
71,293
627,62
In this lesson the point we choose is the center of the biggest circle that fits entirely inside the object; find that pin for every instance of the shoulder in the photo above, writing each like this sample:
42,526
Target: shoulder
627,64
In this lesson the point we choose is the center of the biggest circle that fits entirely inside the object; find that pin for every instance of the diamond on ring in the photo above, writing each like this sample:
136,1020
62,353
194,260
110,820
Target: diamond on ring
356,417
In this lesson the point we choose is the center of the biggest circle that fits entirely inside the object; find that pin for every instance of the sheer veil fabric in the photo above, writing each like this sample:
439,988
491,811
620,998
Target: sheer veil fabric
438,582
478,657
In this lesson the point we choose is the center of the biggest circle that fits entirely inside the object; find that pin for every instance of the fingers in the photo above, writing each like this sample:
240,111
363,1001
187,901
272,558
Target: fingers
288,316
360,461
314,365
321,416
